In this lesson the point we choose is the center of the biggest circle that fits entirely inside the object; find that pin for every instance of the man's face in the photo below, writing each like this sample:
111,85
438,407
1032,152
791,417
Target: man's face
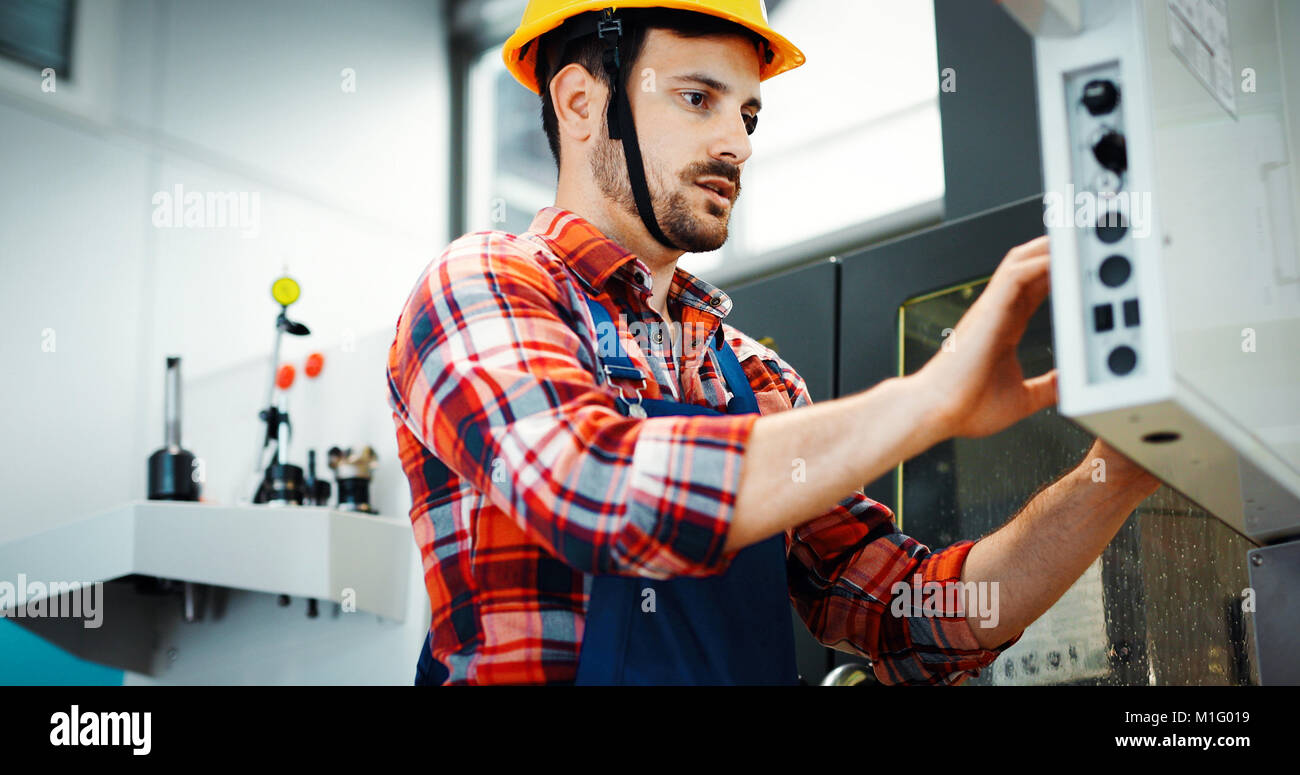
691,99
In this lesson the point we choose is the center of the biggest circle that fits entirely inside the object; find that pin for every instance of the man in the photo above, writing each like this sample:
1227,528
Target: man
603,507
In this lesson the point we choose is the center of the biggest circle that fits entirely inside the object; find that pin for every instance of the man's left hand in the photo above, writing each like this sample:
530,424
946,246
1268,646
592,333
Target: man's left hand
1120,468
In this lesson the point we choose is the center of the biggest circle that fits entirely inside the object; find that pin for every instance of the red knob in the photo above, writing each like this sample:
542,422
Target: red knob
315,362
284,377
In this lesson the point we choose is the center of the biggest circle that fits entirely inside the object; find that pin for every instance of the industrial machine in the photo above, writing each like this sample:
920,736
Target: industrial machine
1169,132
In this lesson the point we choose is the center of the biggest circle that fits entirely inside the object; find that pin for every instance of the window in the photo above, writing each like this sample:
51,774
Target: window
37,33
510,173
63,56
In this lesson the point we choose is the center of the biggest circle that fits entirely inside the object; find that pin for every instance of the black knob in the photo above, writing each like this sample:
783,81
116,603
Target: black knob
1100,96
1111,152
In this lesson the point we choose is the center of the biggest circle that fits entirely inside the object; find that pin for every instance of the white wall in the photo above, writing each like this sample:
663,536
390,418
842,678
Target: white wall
239,96
232,97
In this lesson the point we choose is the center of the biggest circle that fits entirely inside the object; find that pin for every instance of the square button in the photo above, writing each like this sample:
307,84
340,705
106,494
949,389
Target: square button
1131,317
1103,317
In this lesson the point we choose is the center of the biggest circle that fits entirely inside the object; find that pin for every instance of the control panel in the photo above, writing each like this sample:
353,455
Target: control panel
1105,212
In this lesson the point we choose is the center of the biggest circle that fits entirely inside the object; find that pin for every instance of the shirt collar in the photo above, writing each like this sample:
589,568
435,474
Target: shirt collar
595,259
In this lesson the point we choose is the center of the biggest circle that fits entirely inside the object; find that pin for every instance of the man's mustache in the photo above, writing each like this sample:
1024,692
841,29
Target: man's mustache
714,168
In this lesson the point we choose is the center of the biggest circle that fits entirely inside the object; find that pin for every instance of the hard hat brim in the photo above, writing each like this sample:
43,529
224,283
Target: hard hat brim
521,58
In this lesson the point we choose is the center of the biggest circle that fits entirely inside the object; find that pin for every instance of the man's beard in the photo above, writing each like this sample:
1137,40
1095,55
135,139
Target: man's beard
674,211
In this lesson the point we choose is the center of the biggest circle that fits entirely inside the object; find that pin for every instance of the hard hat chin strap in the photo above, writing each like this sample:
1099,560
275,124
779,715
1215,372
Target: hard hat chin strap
621,126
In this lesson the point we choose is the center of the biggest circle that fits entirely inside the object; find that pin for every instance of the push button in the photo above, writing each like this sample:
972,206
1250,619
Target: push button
1131,317
1103,317
1115,271
1112,225
1122,360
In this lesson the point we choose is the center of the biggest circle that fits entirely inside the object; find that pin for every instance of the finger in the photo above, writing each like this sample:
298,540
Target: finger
1042,391
1018,292
1039,282
1026,285
1036,267
1032,249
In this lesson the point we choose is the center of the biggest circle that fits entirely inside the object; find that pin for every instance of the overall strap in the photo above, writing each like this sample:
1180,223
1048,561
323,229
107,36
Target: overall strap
742,400
618,366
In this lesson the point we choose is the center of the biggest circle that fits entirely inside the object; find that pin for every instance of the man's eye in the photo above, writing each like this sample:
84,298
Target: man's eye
751,122
691,97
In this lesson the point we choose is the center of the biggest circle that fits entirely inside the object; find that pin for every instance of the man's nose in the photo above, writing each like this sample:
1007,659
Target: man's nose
732,141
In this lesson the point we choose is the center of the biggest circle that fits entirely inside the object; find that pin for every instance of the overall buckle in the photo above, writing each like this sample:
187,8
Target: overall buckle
635,409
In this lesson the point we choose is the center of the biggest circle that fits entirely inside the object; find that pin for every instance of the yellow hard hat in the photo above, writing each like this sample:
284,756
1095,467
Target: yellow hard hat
542,16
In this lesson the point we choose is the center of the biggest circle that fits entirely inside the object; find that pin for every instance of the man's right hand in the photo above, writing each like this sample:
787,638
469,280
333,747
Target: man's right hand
975,380
974,387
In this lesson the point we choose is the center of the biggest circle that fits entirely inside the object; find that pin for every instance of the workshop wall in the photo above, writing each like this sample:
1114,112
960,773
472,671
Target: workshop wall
210,98
328,123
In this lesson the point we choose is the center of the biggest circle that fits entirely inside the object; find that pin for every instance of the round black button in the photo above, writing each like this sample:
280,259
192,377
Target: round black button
1122,360
1112,225
1115,271
715,301
640,277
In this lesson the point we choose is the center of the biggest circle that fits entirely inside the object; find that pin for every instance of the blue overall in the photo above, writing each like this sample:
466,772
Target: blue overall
733,628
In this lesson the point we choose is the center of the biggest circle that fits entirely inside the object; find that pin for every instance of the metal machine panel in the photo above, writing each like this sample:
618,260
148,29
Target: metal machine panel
1169,131
795,313
1275,578
1163,605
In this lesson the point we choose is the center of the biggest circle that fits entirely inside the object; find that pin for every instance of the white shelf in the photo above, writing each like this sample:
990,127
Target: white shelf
305,552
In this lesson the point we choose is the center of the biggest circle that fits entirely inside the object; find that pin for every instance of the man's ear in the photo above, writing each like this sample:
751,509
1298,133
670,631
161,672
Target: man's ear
574,93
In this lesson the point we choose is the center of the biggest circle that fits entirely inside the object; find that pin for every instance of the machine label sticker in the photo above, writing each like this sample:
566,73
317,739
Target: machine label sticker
1067,643
1198,34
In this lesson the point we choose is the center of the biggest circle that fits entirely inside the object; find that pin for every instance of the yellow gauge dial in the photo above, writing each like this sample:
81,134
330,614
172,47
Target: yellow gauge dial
285,290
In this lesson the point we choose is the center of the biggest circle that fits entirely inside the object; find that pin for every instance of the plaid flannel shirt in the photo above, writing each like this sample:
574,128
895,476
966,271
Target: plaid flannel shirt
525,479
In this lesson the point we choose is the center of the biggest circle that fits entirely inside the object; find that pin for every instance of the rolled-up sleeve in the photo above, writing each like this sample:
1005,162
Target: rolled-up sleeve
489,373
852,576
